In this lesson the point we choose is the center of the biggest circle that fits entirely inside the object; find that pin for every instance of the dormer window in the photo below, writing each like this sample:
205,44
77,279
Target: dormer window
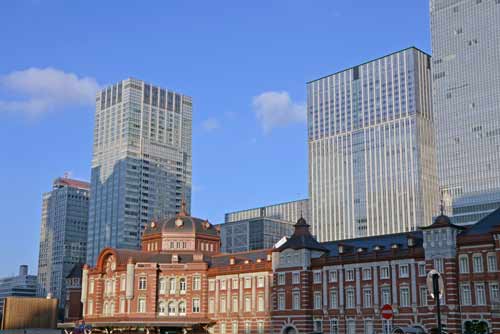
377,248
411,242
395,246
360,250
341,249
231,261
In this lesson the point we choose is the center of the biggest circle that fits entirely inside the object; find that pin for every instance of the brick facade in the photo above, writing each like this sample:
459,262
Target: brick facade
303,286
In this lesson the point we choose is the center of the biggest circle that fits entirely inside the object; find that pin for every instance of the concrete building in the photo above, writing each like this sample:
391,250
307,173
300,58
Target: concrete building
466,95
22,285
180,282
288,211
253,234
469,209
141,164
372,163
63,235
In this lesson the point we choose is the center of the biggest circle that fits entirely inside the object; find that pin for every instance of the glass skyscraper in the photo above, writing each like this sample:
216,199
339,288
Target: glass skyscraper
287,211
141,165
466,95
372,167
63,235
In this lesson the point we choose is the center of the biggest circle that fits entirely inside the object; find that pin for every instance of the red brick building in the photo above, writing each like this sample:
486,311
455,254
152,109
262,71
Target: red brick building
180,281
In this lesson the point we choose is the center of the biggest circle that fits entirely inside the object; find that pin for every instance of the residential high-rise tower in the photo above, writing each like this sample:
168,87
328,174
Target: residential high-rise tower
466,96
372,167
63,235
141,165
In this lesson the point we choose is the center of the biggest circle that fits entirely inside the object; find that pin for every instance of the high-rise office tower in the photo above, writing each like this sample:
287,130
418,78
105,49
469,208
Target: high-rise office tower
63,235
466,95
286,211
141,165
371,148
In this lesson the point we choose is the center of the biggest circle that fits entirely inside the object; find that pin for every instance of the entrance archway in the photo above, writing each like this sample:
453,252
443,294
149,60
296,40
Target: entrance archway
290,330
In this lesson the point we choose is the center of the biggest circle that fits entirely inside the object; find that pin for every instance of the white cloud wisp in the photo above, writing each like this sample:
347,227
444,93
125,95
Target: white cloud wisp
276,109
40,90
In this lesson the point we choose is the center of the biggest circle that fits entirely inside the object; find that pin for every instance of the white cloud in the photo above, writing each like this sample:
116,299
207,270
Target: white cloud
39,90
276,109
210,124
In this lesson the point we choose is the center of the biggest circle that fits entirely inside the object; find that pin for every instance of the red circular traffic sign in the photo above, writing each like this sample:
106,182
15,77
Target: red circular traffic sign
387,312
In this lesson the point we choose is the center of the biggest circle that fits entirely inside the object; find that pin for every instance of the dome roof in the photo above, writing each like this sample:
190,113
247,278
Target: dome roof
181,223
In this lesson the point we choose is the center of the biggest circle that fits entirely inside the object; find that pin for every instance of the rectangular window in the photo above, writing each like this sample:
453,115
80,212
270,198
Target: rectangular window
492,262
334,326
281,278
222,328
260,327
367,298
141,305
404,271
211,285
439,265
248,327
235,304
464,264
248,282
465,294
317,277
477,261
260,282
91,286
386,326
196,283
367,274
494,294
368,326
350,298
196,305
351,326
248,304
421,270
222,306
318,325
123,283
296,300
234,327
404,297
333,299
317,300
332,276
423,295
384,273
349,275
480,294
281,301
142,283
211,305
223,284
260,303
235,283
386,295
295,278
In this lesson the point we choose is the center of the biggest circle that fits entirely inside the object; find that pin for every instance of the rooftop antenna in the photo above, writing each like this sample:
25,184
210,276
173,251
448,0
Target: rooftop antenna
441,206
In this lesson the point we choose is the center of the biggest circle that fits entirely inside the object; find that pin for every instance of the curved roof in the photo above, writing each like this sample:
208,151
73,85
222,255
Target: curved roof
301,239
181,223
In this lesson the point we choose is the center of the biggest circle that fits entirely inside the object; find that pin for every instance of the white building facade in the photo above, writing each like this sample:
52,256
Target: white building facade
141,165
372,163
466,95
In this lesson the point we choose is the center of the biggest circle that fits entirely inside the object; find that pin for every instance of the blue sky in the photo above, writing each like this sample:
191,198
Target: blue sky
245,63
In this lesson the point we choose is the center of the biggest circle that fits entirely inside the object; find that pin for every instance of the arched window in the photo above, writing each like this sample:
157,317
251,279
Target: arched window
163,285
182,285
172,285
161,308
182,308
112,308
171,308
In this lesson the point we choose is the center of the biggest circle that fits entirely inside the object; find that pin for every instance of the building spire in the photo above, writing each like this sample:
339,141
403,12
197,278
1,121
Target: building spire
183,211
